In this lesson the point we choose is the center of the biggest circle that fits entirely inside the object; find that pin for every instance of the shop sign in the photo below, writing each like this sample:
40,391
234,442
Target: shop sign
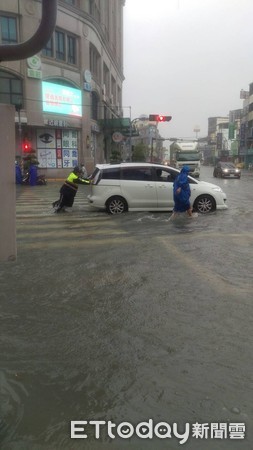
56,123
117,137
87,87
33,73
87,76
61,99
57,148
34,62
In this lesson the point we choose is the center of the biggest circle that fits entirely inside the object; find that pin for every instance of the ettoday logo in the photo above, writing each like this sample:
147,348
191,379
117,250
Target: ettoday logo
125,430
161,430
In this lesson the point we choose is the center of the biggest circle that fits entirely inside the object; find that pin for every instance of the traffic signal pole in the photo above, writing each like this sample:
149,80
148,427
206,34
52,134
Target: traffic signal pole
158,118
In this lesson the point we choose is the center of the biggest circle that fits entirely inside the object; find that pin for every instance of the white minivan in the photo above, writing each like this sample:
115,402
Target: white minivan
118,188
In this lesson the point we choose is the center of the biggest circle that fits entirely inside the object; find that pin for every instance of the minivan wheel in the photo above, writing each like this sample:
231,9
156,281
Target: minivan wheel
204,204
116,205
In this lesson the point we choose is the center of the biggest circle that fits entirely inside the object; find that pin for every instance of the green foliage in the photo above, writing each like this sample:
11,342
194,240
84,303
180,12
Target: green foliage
115,156
140,153
29,159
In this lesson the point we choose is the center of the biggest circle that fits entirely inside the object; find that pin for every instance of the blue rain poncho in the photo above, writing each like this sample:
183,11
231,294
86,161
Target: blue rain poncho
182,198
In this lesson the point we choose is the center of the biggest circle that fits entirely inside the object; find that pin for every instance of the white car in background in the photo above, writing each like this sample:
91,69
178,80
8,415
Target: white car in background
118,188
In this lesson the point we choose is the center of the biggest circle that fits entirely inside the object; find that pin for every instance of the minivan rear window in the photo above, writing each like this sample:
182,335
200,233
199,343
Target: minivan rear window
95,177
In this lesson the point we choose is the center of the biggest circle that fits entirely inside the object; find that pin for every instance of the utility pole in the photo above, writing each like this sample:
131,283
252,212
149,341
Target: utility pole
16,52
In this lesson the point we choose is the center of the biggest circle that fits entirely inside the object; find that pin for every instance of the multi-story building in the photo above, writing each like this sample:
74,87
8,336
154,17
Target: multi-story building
247,128
216,133
63,93
232,136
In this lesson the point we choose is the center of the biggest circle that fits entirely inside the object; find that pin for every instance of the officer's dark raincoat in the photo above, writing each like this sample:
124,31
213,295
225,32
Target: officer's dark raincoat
69,189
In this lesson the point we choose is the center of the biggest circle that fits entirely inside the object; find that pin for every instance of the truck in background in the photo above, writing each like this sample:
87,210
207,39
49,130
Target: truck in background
186,154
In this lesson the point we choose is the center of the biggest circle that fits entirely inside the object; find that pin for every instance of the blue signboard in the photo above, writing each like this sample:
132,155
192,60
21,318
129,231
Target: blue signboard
61,99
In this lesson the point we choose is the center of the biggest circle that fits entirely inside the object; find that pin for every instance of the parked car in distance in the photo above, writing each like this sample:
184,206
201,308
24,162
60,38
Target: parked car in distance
118,188
226,169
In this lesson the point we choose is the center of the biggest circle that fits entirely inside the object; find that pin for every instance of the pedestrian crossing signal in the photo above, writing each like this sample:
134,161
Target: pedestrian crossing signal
159,118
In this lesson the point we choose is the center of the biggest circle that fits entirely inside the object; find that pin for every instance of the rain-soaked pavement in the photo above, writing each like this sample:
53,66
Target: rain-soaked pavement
135,318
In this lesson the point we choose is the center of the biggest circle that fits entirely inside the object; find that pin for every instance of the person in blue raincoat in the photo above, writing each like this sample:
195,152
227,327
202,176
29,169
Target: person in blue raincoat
33,173
18,173
182,192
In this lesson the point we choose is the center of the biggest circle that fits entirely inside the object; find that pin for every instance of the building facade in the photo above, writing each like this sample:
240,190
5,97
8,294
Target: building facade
231,137
63,94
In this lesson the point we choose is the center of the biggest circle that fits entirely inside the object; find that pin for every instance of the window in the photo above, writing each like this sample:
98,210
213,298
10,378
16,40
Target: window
48,50
71,50
164,175
111,174
59,46
63,47
8,30
94,62
95,9
11,90
113,89
137,173
106,78
94,106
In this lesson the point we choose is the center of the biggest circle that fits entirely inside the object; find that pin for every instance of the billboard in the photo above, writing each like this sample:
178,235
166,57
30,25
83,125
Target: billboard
61,99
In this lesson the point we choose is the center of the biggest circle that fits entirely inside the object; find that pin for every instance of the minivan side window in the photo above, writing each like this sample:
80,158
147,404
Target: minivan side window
137,173
165,175
112,173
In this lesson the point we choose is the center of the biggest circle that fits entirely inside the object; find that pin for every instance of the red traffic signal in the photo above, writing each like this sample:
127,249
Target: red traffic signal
26,147
159,118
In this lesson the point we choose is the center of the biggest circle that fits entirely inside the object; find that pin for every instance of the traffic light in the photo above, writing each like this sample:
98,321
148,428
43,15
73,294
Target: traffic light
26,147
159,118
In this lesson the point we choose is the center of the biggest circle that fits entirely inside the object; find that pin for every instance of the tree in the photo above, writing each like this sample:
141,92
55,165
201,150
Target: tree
140,153
115,156
30,159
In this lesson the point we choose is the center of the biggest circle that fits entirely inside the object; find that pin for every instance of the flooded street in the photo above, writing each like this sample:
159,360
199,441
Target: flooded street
127,319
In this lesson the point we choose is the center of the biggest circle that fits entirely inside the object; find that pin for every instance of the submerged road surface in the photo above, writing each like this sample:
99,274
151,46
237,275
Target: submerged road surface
135,318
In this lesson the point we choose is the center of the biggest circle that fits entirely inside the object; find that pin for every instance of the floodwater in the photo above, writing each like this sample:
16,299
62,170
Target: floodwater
136,318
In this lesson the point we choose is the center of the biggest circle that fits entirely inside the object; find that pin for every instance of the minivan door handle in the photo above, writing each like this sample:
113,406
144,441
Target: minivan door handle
149,185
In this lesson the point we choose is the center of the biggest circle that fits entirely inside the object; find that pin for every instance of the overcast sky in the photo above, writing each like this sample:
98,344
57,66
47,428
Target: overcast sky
186,58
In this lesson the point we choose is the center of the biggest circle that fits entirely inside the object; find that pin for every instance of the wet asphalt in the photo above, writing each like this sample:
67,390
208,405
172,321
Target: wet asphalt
129,319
